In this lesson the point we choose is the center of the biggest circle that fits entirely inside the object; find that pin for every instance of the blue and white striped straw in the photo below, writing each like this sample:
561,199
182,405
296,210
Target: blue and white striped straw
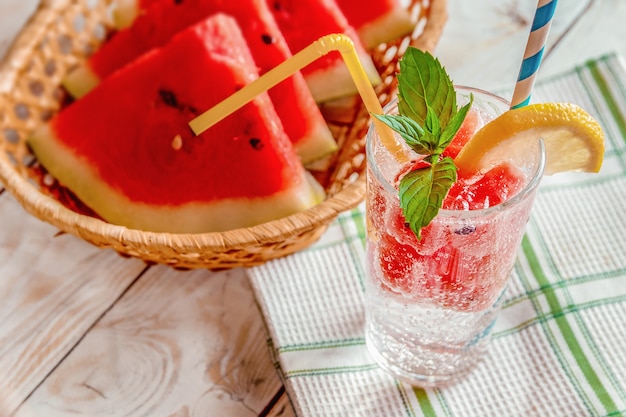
533,53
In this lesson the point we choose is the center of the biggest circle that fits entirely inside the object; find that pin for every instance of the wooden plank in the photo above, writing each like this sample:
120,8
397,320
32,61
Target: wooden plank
51,293
484,41
177,344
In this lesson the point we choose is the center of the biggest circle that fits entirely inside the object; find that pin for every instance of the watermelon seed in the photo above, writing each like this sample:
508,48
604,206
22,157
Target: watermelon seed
256,143
267,39
177,142
465,230
169,98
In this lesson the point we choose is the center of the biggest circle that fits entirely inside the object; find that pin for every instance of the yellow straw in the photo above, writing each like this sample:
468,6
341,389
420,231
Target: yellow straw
334,42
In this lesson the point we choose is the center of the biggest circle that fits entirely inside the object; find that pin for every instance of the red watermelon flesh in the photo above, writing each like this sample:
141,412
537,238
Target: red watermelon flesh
377,21
126,149
304,21
294,103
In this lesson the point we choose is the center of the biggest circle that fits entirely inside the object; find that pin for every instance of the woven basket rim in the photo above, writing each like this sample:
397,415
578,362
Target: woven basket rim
52,211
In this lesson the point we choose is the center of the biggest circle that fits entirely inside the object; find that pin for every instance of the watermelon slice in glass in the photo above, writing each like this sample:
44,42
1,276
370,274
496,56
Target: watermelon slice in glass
162,19
127,152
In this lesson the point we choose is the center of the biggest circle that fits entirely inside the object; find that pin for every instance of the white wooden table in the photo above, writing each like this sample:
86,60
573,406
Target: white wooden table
85,332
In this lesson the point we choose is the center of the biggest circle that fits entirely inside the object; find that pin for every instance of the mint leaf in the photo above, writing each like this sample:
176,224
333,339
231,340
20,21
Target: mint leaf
422,192
408,128
433,124
423,140
424,83
453,127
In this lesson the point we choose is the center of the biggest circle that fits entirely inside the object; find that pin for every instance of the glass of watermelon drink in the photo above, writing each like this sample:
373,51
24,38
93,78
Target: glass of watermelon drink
431,303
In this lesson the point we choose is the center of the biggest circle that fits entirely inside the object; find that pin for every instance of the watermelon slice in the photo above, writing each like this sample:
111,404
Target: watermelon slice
127,151
377,21
294,103
303,22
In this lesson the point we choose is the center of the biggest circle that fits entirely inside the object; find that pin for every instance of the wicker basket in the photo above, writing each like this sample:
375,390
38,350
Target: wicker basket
61,34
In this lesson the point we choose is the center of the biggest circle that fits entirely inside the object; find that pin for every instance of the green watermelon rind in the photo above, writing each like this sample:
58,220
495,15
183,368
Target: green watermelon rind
124,12
80,81
193,217
315,146
336,82
388,27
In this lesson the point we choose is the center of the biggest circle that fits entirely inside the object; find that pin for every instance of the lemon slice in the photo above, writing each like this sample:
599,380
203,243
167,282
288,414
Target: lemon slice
574,141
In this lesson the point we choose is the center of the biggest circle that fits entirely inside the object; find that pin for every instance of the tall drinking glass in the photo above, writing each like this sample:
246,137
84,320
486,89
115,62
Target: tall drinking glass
431,304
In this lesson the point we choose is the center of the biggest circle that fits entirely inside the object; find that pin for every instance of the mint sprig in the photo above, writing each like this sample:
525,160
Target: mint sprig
422,192
428,120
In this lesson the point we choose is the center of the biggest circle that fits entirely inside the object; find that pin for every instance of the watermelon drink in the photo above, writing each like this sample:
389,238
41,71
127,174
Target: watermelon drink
431,303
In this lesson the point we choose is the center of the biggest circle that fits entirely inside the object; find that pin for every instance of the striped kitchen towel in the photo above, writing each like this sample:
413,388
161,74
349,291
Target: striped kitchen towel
559,346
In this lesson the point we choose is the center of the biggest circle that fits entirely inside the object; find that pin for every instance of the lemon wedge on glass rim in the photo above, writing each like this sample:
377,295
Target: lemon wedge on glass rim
573,139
